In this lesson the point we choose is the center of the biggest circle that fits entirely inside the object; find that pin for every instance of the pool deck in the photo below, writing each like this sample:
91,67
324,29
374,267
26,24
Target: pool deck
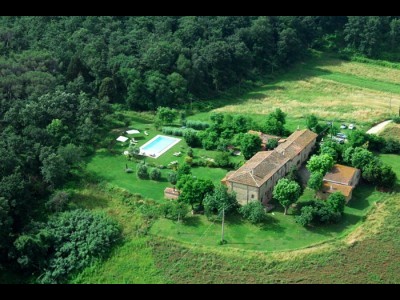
157,154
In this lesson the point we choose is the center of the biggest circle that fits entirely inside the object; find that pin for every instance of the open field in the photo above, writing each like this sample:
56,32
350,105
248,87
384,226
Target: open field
331,88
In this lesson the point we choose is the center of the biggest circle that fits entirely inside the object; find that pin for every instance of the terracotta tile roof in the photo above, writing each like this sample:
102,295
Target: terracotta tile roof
344,189
264,164
297,141
171,193
340,174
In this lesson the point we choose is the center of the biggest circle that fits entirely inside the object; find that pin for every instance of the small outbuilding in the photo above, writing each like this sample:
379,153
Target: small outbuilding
122,139
340,179
132,131
171,193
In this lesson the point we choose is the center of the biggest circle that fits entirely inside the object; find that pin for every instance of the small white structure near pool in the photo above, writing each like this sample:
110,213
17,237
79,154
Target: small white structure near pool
132,131
122,139
158,145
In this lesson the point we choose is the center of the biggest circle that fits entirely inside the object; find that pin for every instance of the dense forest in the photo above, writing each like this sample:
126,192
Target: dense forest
59,77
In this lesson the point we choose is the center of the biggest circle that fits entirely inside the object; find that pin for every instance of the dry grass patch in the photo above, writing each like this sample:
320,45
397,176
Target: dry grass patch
391,130
325,98
362,70
328,87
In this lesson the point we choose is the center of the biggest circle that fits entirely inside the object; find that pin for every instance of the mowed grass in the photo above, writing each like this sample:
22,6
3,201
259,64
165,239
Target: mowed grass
279,232
108,164
328,87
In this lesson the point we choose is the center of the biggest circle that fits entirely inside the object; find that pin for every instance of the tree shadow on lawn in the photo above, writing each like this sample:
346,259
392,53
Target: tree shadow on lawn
89,201
234,219
272,224
348,220
193,221
360,195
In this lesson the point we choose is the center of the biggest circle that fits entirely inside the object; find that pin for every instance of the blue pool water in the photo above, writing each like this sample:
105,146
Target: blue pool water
159,144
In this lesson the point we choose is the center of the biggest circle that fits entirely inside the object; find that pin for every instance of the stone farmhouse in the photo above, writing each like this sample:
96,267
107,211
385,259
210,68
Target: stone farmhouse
255,180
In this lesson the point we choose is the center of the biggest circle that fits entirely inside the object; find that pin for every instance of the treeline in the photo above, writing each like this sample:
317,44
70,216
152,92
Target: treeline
148,62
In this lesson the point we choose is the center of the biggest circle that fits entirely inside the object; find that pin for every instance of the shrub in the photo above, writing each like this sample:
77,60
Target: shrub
190,152
210,163
192,139
172,177
155,174
337,202
173,210
392,146
184,169
149,209
222,159
199,125
173,131
319,212
253,212
272,144
396,120
142,171
375,142
306,216
222,144
189,160
67,243
220,199
58,201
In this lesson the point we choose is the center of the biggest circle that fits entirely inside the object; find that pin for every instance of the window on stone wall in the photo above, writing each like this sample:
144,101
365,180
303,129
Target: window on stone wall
252,196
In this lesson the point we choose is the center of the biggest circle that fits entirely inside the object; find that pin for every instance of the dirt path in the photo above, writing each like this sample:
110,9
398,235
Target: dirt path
379,127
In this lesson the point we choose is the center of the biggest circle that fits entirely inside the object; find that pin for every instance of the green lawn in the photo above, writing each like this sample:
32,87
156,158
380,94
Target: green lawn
279,232
109,164
392,160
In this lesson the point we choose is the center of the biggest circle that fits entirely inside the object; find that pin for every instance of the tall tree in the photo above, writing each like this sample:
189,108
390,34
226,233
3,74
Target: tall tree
286,192
250,144
320,163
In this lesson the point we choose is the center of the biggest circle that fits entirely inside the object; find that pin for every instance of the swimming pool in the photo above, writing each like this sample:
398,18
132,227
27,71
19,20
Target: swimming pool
158,145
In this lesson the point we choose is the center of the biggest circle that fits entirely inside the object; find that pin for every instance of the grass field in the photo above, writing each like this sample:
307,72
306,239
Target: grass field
279,232
331,88
350,252
373,257
370,254
392,130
